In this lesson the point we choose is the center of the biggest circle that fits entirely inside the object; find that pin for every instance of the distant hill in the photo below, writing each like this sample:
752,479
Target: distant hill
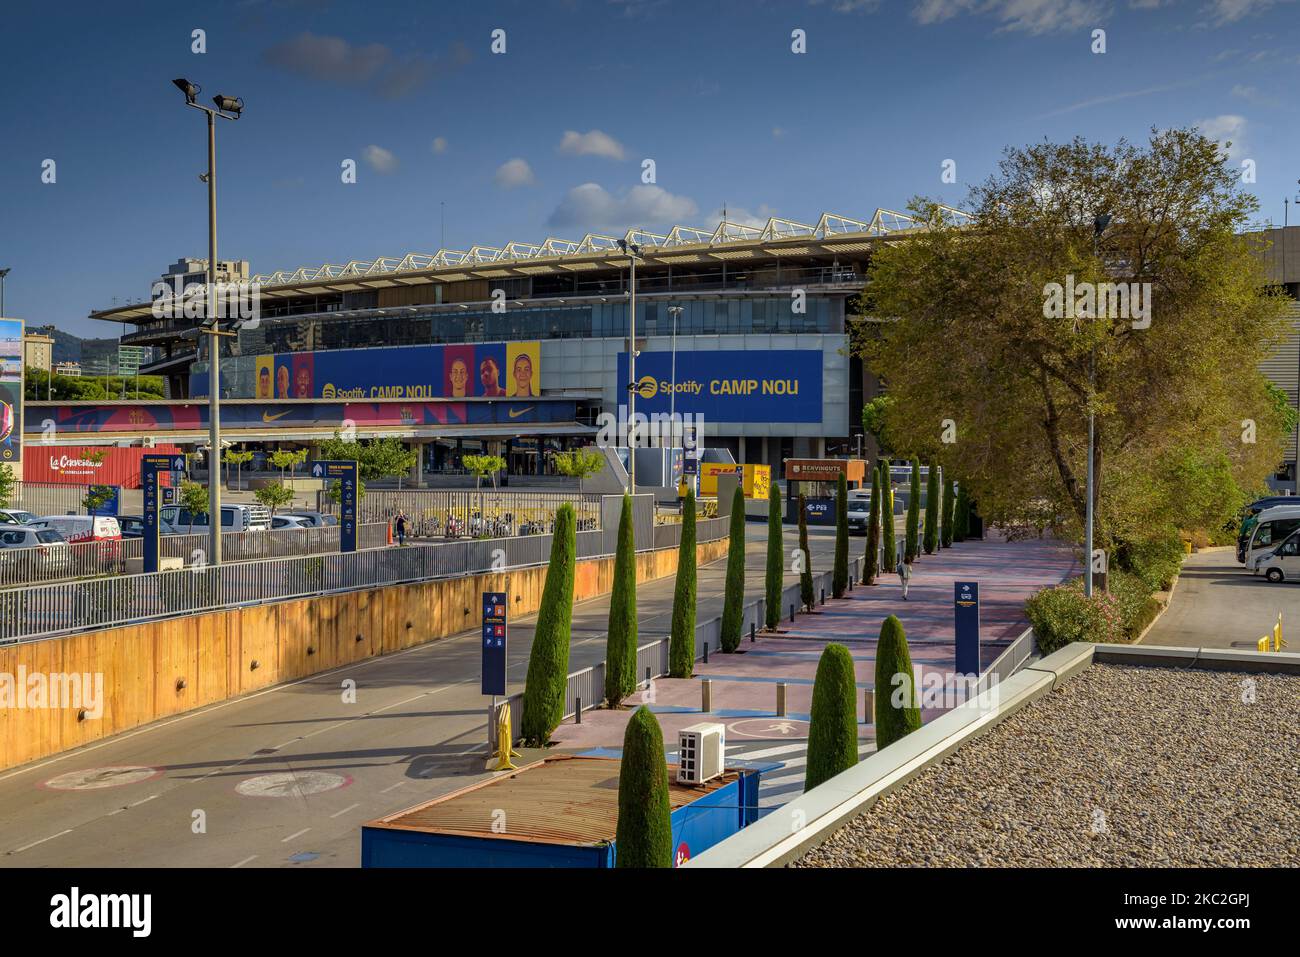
67,347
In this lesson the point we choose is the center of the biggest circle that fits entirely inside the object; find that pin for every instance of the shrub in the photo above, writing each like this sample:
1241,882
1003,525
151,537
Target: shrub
644,836
873,531
959,516
681,643
913,513
1062,614
1137,606
833,724
931,537
548,661
949,510
775,557
887,517
620,641
733,597
897,713
1155,560
840,573
806,595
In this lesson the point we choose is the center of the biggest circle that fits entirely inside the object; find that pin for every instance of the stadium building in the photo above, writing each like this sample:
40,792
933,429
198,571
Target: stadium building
519,348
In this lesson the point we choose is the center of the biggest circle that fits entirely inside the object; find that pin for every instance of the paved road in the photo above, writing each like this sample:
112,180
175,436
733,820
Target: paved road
1218,604
285,777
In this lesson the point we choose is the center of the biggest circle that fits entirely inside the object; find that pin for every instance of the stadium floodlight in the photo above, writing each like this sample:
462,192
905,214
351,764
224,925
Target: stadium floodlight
229,104
191,90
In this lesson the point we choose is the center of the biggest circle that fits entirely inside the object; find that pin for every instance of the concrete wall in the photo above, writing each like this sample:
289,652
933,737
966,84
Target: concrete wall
214,654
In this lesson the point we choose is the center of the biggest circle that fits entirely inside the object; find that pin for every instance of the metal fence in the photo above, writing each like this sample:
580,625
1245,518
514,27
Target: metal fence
49,610
49,498
25,566
467,513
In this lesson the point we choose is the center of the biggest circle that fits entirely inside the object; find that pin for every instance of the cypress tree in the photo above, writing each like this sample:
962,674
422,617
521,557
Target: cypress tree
959,516
833,724
887,517
733,598
644,836
949,512
840,573
897,713
775,557
681,643
620,641
873,531
931,536
913,513
548,661
806,595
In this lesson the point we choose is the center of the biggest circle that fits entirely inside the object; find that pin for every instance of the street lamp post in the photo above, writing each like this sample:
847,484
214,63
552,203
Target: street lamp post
631,249
4,272
675,312
1099,225
228,108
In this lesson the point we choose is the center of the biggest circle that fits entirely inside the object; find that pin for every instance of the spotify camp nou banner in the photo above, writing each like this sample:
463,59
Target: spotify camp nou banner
731,386
483,370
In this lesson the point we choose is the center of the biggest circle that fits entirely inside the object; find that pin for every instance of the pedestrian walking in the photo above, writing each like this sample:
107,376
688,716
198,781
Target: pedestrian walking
399,527
904,575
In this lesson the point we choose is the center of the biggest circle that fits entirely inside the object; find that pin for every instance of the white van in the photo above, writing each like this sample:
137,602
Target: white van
83,528
1281,563
1271,529
176,519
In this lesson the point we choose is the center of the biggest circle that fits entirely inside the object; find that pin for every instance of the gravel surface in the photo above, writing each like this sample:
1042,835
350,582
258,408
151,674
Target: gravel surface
1120,767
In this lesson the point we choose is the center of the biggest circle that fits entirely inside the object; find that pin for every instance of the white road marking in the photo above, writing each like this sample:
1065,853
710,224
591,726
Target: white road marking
770,752
243,862
42,841
393,788
298,834
344,811
145,801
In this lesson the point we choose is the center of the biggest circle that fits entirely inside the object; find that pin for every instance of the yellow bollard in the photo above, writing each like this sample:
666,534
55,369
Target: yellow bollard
505,741
1278,643
1262,644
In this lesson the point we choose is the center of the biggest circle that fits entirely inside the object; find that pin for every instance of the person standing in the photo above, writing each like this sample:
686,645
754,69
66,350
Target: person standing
904,575
399,527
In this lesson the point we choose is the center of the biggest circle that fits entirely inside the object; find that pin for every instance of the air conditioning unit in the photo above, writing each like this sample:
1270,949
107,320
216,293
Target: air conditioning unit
701,750
147,442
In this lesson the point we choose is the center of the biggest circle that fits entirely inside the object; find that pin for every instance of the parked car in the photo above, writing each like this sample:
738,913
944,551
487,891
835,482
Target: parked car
176,519
859,516
51,550
290,521
16,516
132,525
1282,563
102,531
314,519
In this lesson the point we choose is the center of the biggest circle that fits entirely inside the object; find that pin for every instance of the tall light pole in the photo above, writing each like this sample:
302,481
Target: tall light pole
632,250
675,312
228,108
1099,224
4,272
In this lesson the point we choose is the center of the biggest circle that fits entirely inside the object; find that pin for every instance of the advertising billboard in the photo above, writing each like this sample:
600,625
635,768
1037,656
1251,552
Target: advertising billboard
782,385
481,370
88,464
11,390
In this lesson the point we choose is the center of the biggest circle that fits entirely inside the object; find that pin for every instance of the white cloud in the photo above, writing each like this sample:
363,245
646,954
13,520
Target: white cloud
591,206
592,143
1228,128
514,173
1029,16
1230,11
439,144
379,159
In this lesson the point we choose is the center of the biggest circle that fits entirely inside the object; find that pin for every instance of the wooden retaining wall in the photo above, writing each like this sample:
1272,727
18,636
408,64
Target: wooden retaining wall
225,654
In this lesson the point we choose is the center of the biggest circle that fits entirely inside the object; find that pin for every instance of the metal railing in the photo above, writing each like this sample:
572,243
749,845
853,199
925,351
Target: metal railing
50,610
26,566
49,498
467,513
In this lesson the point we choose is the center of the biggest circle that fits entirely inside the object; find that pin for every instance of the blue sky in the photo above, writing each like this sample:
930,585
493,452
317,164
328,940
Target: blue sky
549,137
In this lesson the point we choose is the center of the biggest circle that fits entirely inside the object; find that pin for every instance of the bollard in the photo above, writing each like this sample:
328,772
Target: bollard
577,715
792,614
823,596
869,706
780,699
704,695
706,652
647,676
751,632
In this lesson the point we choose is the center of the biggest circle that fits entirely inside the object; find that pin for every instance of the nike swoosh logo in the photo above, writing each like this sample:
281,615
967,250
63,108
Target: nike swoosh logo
516,413
268,417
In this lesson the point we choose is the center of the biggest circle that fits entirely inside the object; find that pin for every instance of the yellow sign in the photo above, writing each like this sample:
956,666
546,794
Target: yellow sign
505,741
755,479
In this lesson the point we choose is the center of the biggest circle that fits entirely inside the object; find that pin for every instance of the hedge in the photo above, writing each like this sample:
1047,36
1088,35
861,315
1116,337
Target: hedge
840,573
621,639
644,835
833,724
897,707
775,572
548,661
733,597
806,595
681,642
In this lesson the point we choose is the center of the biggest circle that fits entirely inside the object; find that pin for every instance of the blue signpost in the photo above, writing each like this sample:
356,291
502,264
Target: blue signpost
150,466
494,643
344,472
966,614
111,505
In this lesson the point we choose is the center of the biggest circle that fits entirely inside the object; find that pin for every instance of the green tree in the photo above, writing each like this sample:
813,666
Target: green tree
484,466
733,598
840,571
8,486
949,512
681,642
960,515
238,460
806,595
621,639
548,661
930,538
873,531
775,557
897,709
887,518
644,835
913,513
194,499
287,460
833,724
274,495
581,463
1170,373
874,414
